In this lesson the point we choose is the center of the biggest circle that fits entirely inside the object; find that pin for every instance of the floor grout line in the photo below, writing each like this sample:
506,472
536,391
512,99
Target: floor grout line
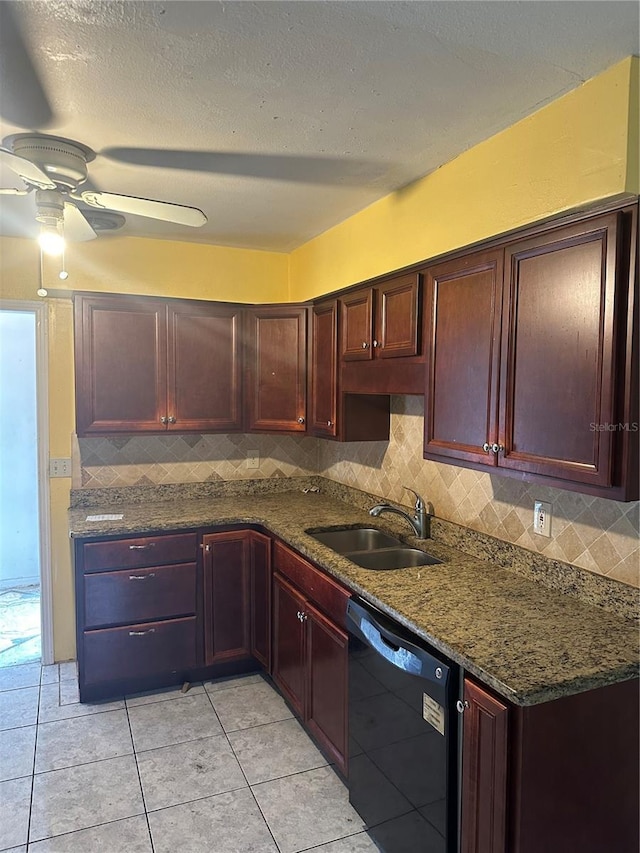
144,802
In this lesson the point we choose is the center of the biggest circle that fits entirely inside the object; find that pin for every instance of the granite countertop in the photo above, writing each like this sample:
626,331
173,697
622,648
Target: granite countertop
530,643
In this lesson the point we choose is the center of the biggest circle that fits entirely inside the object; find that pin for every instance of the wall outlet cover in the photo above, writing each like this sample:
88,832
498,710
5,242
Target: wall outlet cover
253,459
542,518
59,467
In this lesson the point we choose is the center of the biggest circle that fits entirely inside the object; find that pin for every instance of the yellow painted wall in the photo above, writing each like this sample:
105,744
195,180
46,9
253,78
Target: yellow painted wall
571,152
125,265
633,164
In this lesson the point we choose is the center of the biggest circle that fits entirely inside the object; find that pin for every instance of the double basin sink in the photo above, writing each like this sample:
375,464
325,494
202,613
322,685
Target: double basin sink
372,549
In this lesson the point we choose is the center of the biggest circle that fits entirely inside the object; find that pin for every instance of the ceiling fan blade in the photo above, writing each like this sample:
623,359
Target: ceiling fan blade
308,169
24,101
27,170
76,227
144,207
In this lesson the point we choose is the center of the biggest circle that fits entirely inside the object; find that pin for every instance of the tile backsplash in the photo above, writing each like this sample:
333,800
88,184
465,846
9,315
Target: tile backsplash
593,533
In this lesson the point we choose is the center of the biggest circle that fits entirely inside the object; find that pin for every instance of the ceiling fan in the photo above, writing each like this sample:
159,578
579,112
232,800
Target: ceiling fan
56,168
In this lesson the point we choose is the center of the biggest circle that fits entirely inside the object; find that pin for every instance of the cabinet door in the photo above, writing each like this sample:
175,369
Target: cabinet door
324,368
327,656
260,585
397,317
288,642
356,322
227,633
557,371
204,379
121,364
463,298
276,370
484,772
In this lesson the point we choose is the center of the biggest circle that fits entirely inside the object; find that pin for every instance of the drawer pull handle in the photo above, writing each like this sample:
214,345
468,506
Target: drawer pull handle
142,577
142,547
142,633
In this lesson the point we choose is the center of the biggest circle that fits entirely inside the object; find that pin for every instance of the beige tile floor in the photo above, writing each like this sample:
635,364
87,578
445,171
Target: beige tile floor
223,768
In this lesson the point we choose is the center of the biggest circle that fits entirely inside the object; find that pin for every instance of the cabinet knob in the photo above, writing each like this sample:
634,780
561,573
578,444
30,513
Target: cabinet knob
300,420
301,615
497,448
329,423
164,419
486,447
171,419
461,706
206,547
365,345
376,344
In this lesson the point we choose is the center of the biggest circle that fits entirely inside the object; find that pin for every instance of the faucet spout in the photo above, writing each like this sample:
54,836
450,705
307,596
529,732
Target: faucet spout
419,521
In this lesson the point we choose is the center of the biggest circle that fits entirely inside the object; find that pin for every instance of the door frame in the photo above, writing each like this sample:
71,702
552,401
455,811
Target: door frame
40,311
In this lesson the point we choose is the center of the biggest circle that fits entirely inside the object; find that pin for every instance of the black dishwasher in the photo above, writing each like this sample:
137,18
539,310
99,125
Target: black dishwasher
403,735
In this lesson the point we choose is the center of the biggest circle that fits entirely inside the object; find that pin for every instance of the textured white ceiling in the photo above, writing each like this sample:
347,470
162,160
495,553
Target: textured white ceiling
295,115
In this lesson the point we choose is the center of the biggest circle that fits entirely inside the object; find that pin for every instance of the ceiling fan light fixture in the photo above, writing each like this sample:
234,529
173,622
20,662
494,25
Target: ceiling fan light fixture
51,239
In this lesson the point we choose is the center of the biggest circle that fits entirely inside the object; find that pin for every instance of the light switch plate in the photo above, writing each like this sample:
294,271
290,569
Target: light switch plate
542,518
59,467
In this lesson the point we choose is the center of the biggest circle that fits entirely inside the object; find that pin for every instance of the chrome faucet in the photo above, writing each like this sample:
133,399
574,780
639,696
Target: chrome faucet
419,521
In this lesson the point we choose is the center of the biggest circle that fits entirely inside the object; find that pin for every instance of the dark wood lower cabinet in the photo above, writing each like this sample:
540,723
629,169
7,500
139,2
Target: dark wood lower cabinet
310,650
326,659
227,633
289,663
484,772
260,597
552,778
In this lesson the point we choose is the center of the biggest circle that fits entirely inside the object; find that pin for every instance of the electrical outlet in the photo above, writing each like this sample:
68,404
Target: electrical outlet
542,518
59,467
253,459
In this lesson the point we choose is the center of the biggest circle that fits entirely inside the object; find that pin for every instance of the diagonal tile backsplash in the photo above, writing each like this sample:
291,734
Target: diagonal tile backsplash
593,533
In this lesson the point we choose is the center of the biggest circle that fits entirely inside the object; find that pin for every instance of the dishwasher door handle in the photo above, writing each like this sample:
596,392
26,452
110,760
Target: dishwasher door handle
397,655
378,632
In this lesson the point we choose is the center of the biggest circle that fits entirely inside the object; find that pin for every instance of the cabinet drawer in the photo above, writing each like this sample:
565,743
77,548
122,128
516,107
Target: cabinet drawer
137,651
112,598
315,584
141,551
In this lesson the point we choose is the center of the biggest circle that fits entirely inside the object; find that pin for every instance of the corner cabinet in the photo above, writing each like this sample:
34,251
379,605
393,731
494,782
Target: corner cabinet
147,365
237,597
276,351
529,356
310,649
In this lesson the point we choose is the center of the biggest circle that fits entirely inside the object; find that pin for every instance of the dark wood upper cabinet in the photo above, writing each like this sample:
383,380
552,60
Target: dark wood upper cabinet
381,321
463,351
356,322
121,364
227,612
531,360
204,367
558,356
397,317
323,397
149,365
484,772
276,368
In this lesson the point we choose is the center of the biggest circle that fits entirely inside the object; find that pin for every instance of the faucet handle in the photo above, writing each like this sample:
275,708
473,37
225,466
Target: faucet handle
419,501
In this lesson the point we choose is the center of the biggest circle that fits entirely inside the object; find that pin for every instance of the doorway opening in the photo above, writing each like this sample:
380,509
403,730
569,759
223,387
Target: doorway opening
24,511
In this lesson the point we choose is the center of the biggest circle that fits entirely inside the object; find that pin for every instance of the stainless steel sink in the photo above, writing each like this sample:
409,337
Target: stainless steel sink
392,558
356,539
